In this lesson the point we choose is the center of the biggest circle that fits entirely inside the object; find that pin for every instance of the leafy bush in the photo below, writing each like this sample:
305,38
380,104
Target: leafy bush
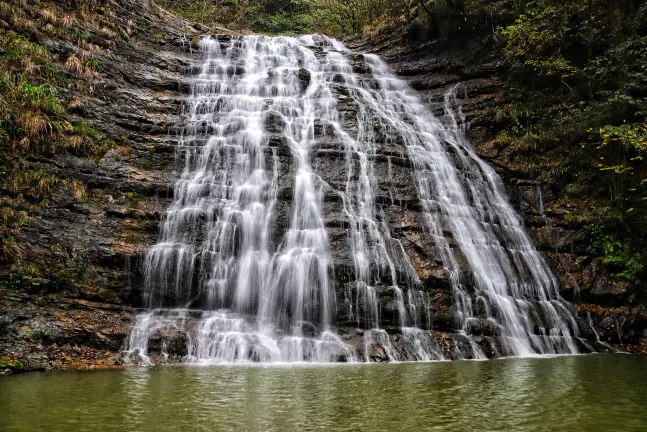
536,39
284,23
586,64
266,16
617,255
6,362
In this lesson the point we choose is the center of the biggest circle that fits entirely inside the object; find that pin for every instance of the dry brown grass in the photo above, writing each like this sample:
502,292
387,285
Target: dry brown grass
22,22
68,21
80,192
75,103
31,68
124,151
47,16
38,129
75,143
74,64
33,124
45,185
38,182
105,31
80,66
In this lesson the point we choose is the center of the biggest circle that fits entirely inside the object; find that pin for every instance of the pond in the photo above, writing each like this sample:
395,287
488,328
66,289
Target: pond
571,393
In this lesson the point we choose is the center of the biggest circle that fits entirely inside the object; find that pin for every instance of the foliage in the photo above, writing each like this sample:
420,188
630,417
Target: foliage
626,149
617,255
266,16
347,17
536,39
579,71
284,23
619,78
6,362
333,17
415,19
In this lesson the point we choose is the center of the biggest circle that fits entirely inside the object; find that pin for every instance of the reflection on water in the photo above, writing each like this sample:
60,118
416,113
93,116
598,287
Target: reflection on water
584,393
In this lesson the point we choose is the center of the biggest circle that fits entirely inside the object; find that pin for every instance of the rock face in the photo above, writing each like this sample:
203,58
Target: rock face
82,311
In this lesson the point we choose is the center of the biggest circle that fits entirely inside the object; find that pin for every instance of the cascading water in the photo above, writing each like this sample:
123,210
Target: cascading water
215,248
239,286
512,286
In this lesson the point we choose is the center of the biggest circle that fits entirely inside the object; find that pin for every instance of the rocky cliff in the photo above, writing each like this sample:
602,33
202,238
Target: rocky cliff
70,285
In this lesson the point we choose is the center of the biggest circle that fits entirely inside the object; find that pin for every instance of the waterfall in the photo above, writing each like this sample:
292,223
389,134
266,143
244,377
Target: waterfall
244,269
512,284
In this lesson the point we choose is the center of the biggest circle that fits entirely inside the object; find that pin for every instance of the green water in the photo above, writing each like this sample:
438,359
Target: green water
585,393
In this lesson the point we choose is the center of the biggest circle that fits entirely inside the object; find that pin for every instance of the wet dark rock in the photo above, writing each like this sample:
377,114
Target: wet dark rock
378,354
273,122
304,79
308,329
483,327
169,342
322,128
35,366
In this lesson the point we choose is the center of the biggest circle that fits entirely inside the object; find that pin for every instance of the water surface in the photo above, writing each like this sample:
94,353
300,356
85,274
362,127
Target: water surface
581,393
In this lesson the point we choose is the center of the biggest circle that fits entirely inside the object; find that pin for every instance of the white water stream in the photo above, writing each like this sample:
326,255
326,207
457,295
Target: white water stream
220,277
